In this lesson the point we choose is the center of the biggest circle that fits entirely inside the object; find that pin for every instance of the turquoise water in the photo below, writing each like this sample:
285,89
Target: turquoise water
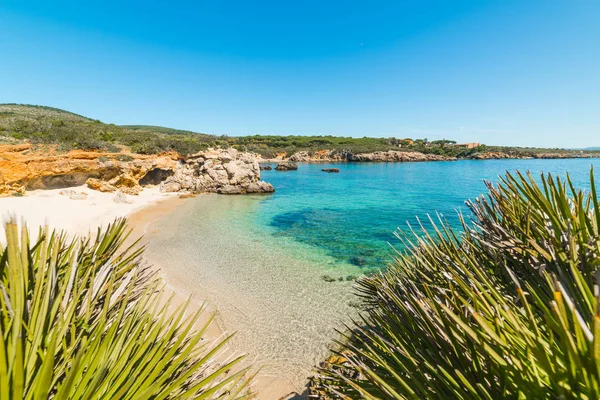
260,259
352,215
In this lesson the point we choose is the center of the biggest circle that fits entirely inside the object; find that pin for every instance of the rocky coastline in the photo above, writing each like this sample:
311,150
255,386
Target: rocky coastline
224,171
347,156
333,156
227,171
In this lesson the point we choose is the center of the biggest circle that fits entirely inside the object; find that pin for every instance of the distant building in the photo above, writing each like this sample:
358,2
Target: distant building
468,145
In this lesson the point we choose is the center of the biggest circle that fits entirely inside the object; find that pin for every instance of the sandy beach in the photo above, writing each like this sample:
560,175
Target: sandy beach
78,210
261,326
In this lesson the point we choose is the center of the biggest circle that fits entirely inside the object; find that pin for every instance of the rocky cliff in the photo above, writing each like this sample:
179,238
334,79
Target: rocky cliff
320,155
22,168
223,171
490,155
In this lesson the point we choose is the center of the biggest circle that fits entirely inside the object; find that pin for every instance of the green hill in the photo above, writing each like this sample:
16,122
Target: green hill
52,126
160,129
33,111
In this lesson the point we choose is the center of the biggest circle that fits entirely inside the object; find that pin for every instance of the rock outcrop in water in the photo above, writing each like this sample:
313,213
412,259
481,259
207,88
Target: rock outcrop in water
220,171
289,166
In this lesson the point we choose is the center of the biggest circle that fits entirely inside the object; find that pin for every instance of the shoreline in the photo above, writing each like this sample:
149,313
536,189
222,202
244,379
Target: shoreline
140,223
255,283
84,217
282,312
143,225
262,161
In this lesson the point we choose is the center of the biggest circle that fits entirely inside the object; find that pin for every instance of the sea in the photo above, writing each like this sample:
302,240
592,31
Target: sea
281,268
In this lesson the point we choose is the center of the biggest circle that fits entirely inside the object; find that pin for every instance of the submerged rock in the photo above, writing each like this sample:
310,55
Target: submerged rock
330,170
328,278
230,190
358,261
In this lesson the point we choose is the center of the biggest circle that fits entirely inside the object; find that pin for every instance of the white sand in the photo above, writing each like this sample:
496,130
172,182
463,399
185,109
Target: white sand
40,207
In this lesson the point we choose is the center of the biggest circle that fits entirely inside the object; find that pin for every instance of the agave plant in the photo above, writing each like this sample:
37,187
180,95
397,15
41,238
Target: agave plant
83,318
508,307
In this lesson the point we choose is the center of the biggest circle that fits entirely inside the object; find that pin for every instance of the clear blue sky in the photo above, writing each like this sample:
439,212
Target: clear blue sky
500,72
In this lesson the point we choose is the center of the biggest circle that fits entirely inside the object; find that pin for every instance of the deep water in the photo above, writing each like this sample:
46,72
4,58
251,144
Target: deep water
352,215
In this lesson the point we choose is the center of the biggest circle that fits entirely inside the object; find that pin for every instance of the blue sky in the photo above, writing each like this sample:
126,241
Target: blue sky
500,72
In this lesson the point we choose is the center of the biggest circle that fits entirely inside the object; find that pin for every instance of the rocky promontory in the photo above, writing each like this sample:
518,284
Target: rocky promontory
23,167
221,171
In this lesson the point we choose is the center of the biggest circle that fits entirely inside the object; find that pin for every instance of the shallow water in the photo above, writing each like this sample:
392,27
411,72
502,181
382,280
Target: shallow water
269,290
260,259
352,215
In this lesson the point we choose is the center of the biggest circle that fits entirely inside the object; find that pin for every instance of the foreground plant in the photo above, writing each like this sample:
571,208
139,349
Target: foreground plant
83,319
507,309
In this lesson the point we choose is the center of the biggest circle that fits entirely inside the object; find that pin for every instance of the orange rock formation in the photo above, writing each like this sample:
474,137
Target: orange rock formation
23,167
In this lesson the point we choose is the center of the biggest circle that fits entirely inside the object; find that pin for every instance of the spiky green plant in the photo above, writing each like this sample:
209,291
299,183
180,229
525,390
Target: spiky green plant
83,319
509,308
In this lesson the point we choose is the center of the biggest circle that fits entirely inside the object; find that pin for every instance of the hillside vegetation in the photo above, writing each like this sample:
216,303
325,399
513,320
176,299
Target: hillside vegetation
44,125
53,126
270,146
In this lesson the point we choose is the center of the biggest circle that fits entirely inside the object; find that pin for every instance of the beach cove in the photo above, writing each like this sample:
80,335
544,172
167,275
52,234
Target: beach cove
272,294
278,269
265,262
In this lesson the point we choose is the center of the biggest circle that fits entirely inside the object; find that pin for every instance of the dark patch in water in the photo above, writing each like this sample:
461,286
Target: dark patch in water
333,230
